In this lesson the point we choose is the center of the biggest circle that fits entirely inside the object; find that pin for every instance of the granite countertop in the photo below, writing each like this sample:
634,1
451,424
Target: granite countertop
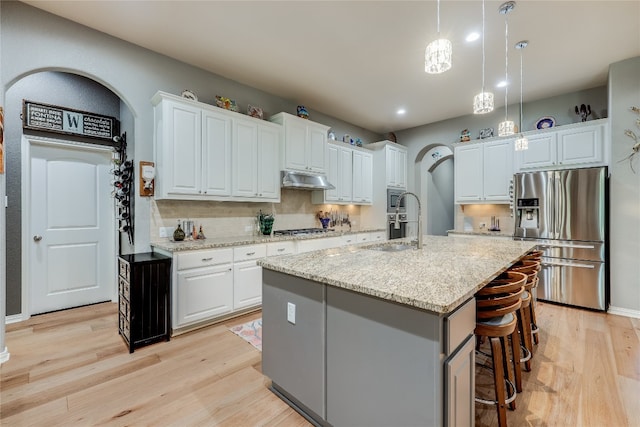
501,233
446,272
222,242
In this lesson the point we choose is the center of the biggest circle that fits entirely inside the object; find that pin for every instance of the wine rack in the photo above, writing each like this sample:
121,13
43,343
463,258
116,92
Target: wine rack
123,186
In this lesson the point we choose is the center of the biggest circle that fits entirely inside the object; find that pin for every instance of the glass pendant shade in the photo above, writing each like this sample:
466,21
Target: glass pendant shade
521,143
506,128
483,103
437,56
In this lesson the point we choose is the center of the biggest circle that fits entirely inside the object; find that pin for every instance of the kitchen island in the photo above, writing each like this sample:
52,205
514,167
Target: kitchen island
358,336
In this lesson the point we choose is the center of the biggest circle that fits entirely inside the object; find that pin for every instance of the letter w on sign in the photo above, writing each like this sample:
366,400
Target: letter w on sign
72,122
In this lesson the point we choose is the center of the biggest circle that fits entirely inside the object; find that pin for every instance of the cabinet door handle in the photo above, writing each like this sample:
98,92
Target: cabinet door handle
280,249
250,253
207,259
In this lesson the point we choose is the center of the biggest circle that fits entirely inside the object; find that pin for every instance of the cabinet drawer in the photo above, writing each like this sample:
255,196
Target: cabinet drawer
123,268
459,325
378,236
281,248
124,308
194,259
363,237
246,253
123,287
349,239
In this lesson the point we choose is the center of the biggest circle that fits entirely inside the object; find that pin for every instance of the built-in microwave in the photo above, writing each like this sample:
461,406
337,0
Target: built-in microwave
392,200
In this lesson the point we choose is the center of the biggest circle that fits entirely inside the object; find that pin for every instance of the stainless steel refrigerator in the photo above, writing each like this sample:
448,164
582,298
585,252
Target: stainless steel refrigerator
565,212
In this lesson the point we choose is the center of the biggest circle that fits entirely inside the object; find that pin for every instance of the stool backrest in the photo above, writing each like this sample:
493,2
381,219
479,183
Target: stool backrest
501,296
526,266
533,255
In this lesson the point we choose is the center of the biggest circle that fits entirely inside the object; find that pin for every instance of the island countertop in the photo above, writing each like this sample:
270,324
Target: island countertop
442,275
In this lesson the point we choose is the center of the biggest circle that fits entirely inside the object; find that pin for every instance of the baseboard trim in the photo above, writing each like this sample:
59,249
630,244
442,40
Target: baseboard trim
4,356
626,312
14,318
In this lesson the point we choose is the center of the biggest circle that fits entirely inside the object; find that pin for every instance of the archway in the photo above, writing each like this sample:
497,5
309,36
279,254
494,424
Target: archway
434,184
66,88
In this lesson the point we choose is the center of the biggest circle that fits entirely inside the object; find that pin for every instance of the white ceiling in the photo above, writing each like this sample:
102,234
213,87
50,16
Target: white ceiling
362,60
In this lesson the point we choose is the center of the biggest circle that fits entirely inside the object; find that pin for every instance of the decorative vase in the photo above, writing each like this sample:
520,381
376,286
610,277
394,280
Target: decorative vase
178,233
302,112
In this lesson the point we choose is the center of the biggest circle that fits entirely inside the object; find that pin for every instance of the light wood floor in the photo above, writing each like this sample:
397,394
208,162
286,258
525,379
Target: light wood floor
71,368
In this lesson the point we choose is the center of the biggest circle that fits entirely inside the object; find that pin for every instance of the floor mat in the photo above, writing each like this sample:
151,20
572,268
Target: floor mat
251,332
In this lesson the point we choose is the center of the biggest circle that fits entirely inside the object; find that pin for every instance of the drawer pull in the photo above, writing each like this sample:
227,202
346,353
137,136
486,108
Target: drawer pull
280,249
250,253
207,259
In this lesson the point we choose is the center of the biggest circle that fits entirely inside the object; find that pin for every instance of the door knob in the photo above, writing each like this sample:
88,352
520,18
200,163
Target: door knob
37,238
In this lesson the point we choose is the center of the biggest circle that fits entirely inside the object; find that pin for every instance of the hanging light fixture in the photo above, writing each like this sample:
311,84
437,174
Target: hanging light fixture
507,127
522,143
483,102
437,55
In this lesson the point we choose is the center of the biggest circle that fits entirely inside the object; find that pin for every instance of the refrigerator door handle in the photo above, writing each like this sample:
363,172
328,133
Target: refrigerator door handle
567,264
569,245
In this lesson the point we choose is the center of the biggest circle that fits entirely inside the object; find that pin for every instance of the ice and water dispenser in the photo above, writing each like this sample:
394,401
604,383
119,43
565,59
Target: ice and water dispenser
528,213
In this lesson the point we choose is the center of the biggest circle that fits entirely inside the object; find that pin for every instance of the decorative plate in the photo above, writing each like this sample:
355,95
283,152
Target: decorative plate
189,95
254,111
486,133
545,122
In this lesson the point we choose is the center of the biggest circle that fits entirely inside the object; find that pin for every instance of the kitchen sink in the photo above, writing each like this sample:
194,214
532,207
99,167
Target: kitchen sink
392,248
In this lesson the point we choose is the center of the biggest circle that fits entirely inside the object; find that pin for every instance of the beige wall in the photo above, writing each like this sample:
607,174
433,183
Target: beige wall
476,215
230,219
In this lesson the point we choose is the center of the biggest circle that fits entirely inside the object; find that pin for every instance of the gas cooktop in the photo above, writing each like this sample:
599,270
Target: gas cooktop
301,231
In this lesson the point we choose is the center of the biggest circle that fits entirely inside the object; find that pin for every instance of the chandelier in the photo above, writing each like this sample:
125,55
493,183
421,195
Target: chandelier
437,55
506,127
483,102
522,143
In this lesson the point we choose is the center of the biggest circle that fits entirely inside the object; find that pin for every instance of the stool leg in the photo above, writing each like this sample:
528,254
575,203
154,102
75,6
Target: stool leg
527,335
534,322
498,376
517,370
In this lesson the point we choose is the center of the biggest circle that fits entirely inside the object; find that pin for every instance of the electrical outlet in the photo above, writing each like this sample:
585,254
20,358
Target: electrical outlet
164,231
291,313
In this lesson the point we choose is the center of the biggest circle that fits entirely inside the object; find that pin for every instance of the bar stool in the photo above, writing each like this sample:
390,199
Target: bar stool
534,256
496,305
527,266
524,313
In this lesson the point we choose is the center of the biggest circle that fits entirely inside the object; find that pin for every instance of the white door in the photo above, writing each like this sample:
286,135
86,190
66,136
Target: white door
71,235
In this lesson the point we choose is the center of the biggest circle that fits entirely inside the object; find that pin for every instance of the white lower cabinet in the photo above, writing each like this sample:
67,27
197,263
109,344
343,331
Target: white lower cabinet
247,276
247,284
203,293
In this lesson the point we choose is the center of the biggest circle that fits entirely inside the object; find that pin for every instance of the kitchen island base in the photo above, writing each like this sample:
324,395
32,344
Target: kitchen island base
346,358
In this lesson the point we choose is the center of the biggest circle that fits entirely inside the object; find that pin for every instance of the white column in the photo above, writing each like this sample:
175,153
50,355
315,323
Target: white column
4,353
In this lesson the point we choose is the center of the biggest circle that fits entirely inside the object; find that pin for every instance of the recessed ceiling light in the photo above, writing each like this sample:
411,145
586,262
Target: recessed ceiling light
401,111
473,36
503,83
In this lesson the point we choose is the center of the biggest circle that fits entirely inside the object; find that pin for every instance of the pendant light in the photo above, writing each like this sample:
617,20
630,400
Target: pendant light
507,127
437,55
522,143
483,102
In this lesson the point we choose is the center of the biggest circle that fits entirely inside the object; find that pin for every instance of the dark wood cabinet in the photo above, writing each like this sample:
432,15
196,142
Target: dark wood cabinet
145,299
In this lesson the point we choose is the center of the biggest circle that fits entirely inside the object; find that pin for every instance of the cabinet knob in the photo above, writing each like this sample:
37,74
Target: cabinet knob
37,238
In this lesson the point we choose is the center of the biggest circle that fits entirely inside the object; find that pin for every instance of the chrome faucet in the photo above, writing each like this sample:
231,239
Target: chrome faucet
397,220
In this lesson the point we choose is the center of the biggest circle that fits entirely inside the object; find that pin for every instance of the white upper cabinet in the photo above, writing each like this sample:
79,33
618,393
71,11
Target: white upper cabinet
468,173
350,170
396,166
578,145
304,146
255,160
206,153
483,172
362,177
216,154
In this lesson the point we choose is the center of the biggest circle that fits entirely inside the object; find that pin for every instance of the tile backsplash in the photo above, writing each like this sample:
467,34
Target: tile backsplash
230,219
478,217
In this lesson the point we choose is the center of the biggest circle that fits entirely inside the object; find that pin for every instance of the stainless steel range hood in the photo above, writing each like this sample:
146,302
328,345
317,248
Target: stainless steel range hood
305,180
